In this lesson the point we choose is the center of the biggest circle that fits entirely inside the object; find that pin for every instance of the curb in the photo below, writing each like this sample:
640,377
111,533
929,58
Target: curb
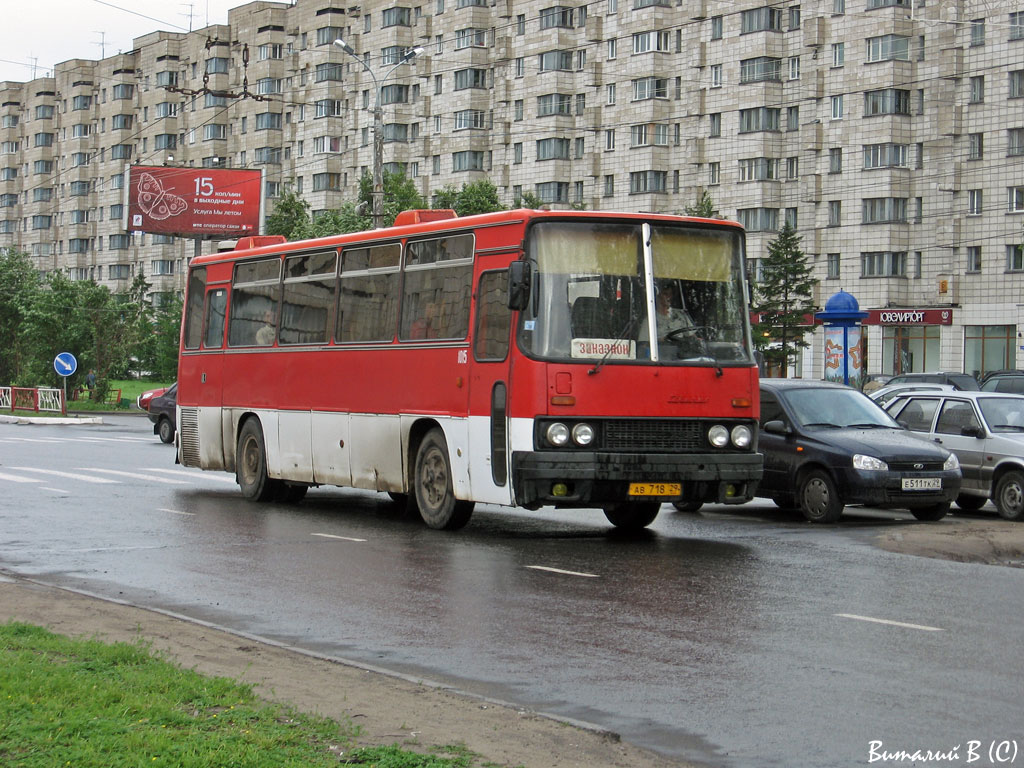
46,420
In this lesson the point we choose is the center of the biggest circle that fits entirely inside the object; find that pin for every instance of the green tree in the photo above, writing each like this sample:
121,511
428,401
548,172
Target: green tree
477,197
445,197
400,194
704,207
157,353
528,200
350,217
783,300
290,213
19,288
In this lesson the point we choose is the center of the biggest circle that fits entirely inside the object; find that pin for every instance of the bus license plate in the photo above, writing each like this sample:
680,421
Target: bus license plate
655,489
922,483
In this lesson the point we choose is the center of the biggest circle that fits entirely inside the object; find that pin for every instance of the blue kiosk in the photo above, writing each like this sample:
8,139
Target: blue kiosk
843,350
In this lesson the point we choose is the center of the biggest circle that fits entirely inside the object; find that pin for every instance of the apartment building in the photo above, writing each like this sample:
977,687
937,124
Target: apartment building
889,132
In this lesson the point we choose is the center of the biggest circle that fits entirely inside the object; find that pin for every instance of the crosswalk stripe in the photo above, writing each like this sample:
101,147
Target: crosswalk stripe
16,479
72,475
134,475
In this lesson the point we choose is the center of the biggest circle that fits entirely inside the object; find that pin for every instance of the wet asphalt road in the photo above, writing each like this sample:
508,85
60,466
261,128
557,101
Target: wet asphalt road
724,638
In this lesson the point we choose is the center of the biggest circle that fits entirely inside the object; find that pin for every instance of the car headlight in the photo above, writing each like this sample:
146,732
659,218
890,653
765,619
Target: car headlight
583,434
951,463
742,436
718,436
860,461
558,434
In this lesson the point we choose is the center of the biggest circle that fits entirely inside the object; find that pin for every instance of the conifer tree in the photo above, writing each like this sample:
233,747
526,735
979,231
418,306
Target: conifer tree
783,299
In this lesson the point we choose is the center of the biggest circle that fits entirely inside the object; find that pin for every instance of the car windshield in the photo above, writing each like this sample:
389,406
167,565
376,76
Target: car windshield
827,408
1003,414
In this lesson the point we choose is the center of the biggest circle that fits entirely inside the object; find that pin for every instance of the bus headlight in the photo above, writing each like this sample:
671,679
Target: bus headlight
558,434
742,436
583,434
718,436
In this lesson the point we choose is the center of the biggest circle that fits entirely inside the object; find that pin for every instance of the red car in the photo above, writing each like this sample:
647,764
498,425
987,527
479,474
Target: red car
144,399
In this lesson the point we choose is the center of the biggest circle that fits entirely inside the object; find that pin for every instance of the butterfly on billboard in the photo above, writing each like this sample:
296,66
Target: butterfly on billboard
157,202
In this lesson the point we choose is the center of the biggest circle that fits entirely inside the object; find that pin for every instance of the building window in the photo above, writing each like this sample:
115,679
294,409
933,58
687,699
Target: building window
974,202
553,149
1016,85
989,348
471,37
714,173
835,213
649,134
398,17
975,146
761,20
977,32
716,75
759,169
759,219
517,152
609,185
715,124
470,78
553,191
759,119
883,264
887,101
215,131
650,88
837,107
1017,25
470,118
832,261
1015,258
1015,141
974,258
838,54
716,27
977,89
609,139
883,210
644,42
560,61
327,71
760,69
886,155
468,160
165,141
554,104
217,65
794,67
644,182
1015,197
908,348
888,48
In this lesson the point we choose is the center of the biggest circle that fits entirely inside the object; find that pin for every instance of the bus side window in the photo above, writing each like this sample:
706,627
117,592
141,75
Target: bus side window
437,288
216,303
493,317
254,299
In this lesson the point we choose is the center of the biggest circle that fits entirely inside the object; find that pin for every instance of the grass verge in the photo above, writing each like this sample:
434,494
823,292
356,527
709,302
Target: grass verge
88,704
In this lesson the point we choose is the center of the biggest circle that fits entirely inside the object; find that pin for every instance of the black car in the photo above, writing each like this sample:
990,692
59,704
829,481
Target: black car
162,413
1004,381
826,445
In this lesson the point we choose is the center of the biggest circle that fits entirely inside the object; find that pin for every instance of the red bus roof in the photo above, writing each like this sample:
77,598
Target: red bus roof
426,223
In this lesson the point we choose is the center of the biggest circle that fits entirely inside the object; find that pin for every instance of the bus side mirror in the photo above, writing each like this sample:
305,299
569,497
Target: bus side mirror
519,278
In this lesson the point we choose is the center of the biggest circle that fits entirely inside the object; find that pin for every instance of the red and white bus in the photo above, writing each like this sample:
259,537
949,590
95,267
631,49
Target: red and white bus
522,358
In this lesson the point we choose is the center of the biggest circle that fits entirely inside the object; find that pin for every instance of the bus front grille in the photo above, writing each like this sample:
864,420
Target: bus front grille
188,435
655,435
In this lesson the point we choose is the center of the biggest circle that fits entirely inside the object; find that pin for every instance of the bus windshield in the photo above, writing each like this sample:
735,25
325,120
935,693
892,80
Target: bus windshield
598,296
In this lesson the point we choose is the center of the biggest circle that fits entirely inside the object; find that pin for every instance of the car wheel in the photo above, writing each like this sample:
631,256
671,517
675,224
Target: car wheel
632,515
970,503
1009,495
435,498
166,430
688,506
931,513
819,498
251,464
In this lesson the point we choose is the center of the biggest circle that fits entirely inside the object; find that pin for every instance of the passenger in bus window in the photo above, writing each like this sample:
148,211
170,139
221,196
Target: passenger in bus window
427,326
266,332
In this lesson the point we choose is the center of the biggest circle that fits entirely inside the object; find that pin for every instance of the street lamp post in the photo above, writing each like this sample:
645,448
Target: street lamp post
378,124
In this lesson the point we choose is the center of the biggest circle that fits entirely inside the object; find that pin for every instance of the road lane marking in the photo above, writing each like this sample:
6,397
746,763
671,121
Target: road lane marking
193,475
332,536
565,573
175,512
55,490
889,622
16,479
133,475
72,475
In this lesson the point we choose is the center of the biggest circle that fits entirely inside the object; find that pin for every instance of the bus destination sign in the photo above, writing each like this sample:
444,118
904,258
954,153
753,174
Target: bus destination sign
193,201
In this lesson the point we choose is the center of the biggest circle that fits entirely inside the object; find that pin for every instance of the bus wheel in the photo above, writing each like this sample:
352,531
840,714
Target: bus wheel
632,515
251,464
433,486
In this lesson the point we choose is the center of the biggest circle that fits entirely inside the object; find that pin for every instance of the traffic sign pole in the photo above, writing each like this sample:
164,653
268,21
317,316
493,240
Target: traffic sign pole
65,365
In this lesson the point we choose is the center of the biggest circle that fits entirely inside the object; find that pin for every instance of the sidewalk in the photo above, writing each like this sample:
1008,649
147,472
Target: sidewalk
389,708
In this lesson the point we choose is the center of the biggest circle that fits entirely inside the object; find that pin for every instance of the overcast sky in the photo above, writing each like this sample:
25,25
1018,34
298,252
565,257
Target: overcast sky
45,32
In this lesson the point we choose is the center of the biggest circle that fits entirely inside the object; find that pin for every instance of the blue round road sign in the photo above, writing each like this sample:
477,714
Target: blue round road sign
65,364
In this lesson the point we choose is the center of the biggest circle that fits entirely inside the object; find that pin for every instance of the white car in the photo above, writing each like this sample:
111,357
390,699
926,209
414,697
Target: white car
986,432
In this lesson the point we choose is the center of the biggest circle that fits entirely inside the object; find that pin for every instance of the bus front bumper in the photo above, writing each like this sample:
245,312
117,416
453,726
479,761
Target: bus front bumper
589,479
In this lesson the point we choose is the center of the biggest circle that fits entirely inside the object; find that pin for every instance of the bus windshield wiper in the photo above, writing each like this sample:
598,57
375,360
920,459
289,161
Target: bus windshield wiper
626,331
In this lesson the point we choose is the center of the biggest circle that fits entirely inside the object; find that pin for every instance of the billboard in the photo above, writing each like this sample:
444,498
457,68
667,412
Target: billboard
193,201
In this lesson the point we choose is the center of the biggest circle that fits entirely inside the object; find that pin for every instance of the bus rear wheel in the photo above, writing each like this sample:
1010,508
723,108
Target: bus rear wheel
632,515
251,464
432,480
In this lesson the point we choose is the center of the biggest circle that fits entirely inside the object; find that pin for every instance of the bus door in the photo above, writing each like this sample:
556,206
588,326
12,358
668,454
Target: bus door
209,380
489,455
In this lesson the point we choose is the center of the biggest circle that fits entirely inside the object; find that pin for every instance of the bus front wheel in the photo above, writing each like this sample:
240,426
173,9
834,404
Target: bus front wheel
251,464
433,486
632,515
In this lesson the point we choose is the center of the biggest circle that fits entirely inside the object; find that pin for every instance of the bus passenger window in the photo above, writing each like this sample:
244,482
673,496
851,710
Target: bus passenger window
215,305
308,299
436,299
368,305
254,300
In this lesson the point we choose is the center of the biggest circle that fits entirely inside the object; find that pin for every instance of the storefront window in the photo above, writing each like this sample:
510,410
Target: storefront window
910,348
988,348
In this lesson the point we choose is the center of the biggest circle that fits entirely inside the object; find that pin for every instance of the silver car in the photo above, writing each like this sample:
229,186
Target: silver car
986,432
